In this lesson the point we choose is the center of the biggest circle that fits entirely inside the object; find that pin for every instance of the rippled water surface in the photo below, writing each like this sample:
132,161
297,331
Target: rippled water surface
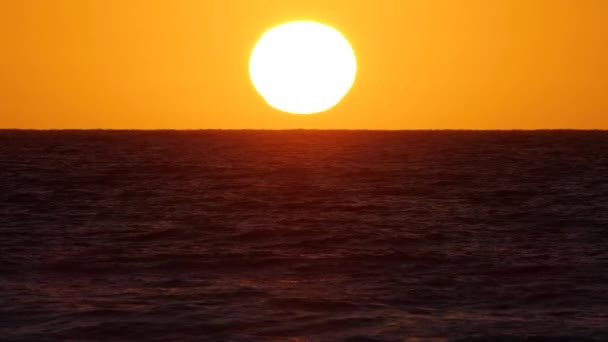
303,235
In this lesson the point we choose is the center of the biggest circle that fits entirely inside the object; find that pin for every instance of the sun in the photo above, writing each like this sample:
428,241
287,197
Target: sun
303,67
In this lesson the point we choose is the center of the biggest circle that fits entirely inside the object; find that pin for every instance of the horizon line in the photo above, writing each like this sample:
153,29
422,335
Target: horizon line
308,129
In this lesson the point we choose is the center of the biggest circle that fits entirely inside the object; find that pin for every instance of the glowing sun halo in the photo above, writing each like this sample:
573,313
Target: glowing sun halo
302,67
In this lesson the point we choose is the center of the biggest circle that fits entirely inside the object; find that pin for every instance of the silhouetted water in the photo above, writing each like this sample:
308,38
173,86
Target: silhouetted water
317,235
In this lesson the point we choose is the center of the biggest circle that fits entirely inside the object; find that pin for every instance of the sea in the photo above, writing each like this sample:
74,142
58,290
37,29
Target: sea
303,236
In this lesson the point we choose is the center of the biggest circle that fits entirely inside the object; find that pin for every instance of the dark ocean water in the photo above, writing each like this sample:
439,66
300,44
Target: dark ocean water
303,235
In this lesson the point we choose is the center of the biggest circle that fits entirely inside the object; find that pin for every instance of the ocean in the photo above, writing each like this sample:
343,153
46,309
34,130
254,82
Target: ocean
303,235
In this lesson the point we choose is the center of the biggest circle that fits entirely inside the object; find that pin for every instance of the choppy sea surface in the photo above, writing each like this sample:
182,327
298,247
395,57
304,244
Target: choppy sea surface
303,235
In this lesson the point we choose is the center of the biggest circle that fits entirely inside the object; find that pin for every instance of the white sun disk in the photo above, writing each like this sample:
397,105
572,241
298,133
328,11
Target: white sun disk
303,67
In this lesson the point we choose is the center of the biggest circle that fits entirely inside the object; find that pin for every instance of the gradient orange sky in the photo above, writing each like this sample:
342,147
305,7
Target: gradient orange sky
423,64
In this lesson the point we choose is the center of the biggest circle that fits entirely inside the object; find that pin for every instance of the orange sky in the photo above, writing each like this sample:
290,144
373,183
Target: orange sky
423,64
